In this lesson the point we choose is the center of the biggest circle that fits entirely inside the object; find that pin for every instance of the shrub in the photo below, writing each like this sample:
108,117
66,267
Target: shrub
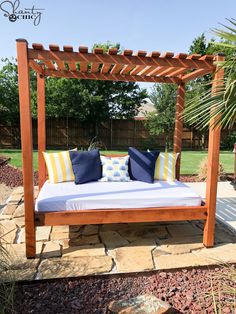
202,171
228,141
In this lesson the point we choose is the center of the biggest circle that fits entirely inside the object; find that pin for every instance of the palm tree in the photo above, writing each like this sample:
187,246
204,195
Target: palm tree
198,110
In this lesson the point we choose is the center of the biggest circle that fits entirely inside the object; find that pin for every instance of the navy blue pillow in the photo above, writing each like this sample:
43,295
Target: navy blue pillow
142,165
86,166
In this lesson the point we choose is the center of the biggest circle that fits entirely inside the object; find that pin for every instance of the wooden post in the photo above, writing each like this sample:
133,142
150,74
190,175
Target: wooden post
178,133
213,166
26,144
41,129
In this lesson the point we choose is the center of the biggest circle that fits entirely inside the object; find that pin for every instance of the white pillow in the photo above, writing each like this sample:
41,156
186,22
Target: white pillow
115,169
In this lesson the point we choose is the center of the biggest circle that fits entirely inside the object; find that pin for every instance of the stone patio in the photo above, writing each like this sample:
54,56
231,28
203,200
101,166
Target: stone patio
71,251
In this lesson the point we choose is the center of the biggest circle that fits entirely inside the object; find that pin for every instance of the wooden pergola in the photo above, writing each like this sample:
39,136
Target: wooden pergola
111,66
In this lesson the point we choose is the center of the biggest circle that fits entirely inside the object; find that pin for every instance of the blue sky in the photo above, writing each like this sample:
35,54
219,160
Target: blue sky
138,25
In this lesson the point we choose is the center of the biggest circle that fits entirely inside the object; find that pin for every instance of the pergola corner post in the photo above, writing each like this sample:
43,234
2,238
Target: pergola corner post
26,145
178,132
213,164
41,129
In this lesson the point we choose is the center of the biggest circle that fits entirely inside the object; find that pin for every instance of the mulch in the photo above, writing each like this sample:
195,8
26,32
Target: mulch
12,176
187,290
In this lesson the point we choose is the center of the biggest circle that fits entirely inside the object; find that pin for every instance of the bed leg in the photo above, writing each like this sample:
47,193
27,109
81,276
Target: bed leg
209,232
30,240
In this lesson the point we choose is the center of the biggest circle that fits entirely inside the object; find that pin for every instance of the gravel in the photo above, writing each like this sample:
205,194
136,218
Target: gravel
12,176
186,290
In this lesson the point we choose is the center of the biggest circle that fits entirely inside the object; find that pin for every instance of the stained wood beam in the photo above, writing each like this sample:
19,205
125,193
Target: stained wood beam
41,129
195,74
26,145
111,77
127,215
213,164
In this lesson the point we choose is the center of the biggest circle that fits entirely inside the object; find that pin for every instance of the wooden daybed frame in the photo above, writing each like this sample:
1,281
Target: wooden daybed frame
98,65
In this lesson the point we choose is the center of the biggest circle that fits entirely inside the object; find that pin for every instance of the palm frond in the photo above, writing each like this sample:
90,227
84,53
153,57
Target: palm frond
218,107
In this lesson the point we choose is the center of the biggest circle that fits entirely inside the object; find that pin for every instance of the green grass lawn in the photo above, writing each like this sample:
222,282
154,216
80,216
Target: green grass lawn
189,164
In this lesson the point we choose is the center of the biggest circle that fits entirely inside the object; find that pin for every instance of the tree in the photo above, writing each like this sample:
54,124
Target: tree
198,111
9,102
163,96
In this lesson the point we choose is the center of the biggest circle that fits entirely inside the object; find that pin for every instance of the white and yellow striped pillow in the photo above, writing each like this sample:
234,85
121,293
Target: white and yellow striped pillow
59,167
165,166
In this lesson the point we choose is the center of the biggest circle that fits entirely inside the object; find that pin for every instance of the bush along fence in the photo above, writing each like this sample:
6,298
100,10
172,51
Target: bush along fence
113,134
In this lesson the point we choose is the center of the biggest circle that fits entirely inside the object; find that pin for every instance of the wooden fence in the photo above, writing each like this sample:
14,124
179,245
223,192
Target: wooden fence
114,134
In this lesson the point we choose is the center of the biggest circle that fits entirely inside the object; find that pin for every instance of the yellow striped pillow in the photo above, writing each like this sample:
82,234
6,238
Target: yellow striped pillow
165,166
59,167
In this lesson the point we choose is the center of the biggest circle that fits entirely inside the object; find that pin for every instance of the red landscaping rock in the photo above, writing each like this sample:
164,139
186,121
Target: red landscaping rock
12,176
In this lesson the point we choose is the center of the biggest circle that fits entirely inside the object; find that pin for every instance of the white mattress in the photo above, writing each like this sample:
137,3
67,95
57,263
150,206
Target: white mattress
102,195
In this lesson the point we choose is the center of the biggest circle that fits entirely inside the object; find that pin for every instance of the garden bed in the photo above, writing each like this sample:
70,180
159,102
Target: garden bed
187,290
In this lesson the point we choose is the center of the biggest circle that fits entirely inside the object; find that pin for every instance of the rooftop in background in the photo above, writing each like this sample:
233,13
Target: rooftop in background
146,107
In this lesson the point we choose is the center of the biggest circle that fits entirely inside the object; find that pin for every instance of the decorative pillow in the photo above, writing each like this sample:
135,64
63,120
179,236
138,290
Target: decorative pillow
165,166
86,166
115,169
142,165
59,166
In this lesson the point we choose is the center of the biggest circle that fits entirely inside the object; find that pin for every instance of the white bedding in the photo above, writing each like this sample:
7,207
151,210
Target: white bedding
102,195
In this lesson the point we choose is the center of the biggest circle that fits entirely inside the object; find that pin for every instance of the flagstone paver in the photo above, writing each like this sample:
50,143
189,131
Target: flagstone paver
75,266
112,239
9,209
134,258
69,251
84,250
178,261
42,233
8,231
90,230
19,221
178,231
51,249
132,233
83,240
20,211
17,251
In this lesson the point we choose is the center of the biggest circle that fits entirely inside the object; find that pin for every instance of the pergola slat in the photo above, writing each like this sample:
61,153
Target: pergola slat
60,63
94,67
72,65
36,67
177,72
116,68
193,75
138,69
